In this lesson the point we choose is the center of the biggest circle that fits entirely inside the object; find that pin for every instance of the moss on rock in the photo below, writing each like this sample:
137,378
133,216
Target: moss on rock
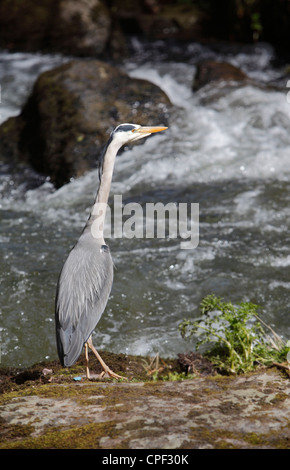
51,410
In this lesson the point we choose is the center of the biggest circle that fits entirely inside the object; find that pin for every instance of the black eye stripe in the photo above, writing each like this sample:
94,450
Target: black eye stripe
125,128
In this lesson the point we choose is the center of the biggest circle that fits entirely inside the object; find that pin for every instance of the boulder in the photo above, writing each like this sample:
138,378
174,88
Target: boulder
82,28
70,112
209,71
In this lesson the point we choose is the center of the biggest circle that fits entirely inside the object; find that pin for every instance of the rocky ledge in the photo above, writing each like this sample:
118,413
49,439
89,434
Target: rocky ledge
53,408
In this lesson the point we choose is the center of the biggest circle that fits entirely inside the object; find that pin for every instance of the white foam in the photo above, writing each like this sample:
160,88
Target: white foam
18,73
177,92
280,262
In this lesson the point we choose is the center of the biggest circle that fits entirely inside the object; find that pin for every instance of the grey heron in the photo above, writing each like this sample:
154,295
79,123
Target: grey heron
86,279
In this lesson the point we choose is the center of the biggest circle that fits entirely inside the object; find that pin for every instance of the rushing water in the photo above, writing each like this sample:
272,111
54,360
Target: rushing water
229,153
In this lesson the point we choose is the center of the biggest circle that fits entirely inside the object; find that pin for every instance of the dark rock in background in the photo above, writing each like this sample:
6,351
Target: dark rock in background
209,71
99,27
82,28
93,28
67,119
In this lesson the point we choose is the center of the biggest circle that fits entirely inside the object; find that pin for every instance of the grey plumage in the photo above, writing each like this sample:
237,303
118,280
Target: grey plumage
87,276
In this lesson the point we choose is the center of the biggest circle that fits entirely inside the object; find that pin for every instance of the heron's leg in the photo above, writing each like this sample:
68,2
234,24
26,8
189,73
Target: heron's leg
87,361
106,369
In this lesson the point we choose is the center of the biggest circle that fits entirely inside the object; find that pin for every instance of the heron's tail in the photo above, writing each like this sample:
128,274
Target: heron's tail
70,343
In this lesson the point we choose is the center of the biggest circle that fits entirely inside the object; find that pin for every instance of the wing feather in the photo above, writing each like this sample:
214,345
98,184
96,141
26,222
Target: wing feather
83,290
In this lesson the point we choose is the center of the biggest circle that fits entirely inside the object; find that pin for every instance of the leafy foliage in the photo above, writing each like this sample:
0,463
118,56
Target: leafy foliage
240,342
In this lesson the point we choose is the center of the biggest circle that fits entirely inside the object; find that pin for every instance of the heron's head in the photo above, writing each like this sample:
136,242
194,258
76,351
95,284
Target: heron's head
126,133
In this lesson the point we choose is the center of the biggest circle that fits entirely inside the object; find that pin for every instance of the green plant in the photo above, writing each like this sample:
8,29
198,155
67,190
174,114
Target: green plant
240,342
256,25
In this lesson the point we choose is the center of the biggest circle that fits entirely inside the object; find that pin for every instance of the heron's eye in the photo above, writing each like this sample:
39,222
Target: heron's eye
133,130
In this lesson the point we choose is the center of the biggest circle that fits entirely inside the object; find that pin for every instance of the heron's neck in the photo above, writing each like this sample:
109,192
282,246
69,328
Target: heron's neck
98,212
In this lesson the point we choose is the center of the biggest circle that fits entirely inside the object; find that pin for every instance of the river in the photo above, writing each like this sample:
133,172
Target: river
228,152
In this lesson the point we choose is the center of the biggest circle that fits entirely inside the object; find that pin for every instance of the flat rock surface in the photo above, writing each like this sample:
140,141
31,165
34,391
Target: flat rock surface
251,411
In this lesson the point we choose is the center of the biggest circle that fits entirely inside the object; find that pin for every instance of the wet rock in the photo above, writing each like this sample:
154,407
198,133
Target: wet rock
214,80
79,28
210,71
67,119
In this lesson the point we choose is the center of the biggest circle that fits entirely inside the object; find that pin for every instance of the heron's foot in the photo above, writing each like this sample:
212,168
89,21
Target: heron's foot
106,369
112,374
105,373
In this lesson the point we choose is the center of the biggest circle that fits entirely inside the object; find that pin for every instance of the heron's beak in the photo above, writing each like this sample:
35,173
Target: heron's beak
151,130
145,131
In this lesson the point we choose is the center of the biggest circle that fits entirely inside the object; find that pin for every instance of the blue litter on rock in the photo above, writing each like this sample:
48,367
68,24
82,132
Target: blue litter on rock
77,378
